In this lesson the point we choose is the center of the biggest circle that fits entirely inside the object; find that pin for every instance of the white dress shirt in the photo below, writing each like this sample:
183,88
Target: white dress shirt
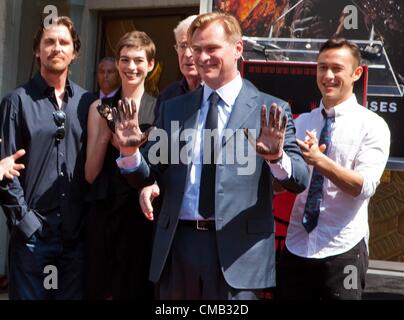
109,95
190,203
360,141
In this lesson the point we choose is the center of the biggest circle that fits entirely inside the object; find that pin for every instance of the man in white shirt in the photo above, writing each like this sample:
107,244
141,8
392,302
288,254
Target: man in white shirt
326,254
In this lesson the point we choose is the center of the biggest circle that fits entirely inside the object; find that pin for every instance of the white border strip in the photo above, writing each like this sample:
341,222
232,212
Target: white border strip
386,273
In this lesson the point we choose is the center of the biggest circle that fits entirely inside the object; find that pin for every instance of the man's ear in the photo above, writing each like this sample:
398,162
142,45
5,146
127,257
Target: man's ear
238,49
357,73
150,65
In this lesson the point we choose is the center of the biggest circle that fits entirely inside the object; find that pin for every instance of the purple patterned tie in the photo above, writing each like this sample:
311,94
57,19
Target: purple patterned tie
315,194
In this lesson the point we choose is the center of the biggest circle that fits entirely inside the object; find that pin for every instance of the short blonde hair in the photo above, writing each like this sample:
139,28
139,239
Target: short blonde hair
230,25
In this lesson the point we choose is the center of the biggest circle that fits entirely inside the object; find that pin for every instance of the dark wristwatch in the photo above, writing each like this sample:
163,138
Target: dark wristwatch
276,160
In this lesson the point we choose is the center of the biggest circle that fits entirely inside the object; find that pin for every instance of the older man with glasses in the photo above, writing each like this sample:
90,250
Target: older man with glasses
44,206
191,79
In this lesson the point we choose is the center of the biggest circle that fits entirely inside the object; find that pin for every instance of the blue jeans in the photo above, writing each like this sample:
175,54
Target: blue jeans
29,258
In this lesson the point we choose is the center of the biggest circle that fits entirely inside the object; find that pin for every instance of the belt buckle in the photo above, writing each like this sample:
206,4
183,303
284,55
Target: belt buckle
200,227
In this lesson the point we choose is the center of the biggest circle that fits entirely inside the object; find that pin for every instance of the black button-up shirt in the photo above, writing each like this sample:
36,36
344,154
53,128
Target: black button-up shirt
52,182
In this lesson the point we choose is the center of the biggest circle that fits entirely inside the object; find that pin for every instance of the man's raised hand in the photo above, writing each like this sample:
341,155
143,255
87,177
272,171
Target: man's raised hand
269,143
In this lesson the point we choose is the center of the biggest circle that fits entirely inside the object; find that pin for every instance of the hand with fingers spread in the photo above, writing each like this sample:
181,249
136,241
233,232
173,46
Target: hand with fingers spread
310,149
8,167
128,134
146,197
269,143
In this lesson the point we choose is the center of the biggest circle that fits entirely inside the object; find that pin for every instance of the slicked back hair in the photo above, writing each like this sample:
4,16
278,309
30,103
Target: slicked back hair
62,20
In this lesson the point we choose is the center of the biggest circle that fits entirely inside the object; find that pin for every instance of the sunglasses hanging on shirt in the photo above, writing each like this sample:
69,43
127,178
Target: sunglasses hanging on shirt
59,116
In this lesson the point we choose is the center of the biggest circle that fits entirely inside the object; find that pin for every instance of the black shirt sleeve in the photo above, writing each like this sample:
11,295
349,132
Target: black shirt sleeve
11,192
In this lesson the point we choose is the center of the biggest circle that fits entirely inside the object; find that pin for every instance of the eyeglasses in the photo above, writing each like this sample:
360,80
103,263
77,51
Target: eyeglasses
181,47
59,117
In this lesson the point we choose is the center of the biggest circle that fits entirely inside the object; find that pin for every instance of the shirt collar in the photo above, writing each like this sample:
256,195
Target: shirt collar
228,93
69,88
46,89
340,109
109,95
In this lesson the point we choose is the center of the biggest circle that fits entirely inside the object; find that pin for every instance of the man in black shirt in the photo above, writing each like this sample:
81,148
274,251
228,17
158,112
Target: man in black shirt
44,206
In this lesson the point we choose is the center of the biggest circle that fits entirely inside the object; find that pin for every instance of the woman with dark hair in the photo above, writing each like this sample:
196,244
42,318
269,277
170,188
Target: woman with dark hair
119,237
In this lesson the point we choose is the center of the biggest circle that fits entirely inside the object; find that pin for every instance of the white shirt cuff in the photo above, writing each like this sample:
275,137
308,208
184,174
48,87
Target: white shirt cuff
282,170
130,163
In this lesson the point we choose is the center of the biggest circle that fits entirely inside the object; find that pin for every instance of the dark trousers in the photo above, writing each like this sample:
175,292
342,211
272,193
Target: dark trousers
28,278
98,262
193,272
118,251
339,277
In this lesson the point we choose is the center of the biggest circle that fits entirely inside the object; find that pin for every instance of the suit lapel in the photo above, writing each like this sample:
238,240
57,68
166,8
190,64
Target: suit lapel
243,108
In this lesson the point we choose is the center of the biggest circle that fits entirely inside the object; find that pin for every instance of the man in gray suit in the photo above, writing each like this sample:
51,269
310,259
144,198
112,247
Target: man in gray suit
214,237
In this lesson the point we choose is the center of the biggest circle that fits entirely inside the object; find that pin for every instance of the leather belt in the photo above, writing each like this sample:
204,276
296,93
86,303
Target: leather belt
201,225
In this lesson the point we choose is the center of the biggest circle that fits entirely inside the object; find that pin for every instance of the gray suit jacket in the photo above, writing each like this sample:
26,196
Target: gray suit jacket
244,220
